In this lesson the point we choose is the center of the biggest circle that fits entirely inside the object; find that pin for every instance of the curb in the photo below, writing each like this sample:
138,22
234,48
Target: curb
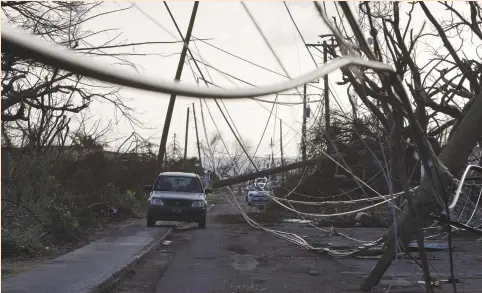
108,284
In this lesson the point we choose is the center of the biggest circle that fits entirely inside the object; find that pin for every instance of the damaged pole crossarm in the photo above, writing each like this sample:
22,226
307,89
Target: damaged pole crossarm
453,157
267,172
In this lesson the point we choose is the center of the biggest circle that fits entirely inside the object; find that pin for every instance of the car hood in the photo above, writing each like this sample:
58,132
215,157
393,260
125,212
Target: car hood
178,195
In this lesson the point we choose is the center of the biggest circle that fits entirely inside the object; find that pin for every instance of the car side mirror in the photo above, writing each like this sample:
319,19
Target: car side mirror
208,191
148,188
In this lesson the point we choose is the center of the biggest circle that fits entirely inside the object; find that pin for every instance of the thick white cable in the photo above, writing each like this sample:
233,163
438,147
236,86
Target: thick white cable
26,45
331,215
320,203
291,237
343,193
475,208
320,229
461,184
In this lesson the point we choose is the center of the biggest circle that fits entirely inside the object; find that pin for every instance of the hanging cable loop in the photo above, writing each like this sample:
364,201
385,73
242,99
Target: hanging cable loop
26,45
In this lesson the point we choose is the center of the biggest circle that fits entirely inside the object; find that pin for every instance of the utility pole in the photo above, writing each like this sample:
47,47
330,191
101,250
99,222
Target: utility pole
187,135
327,98
197,135
281,148
303,127
174,148
326,85
170,108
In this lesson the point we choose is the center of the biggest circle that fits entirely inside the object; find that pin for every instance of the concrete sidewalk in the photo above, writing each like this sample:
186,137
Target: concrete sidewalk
92,268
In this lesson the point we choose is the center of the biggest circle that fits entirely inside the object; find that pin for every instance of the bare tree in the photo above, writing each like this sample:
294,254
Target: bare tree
40,100
218,159
438,116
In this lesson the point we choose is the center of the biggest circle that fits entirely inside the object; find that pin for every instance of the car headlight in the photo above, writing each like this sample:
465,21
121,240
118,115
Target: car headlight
199,204
156,201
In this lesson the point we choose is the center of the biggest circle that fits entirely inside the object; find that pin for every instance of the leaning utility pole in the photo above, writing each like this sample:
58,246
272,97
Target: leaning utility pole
187,135
197,135
303,127
170,108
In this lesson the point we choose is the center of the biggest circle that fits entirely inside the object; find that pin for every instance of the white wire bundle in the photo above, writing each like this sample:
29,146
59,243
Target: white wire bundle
460,212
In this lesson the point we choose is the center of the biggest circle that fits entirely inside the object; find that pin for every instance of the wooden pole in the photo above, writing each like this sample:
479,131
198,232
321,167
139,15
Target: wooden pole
197,135
265,173
303,127
327,98
187,135
172,100
281,148
174,149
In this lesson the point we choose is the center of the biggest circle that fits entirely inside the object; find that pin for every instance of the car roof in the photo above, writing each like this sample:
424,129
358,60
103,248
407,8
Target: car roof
181,174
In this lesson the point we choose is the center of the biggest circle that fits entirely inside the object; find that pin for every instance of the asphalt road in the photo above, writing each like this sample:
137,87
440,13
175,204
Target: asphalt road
230,256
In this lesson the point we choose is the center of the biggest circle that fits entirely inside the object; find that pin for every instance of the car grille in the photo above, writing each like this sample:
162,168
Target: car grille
177,202
261,194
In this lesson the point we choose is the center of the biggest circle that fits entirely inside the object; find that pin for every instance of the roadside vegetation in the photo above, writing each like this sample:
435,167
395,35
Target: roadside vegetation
59,182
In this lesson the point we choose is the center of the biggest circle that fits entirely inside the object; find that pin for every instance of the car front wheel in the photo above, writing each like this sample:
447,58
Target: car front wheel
202,224
150,221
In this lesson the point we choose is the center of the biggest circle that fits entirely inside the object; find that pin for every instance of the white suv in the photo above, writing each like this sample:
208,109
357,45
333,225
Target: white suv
177,196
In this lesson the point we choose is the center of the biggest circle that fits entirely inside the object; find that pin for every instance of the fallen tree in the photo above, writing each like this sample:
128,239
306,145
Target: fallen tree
454,156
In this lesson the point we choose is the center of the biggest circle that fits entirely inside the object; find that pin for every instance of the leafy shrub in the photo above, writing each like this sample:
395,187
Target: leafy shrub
52,198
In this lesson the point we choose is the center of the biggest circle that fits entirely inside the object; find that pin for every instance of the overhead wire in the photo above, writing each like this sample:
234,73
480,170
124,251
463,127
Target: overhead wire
27,46
316,66
197,80
385,199
237,57
264,131
222,50
301,36
192,71
267,43
202,75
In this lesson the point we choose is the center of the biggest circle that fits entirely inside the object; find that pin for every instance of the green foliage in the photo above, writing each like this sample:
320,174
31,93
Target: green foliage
50,200
54,198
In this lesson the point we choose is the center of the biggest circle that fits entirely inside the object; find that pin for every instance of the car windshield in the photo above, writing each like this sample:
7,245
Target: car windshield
178,184
260,180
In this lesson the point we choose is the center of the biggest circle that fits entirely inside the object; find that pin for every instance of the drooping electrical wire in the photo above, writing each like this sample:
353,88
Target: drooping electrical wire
27,46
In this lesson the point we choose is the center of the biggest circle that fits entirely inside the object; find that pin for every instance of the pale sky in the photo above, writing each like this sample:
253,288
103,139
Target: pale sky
231,29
